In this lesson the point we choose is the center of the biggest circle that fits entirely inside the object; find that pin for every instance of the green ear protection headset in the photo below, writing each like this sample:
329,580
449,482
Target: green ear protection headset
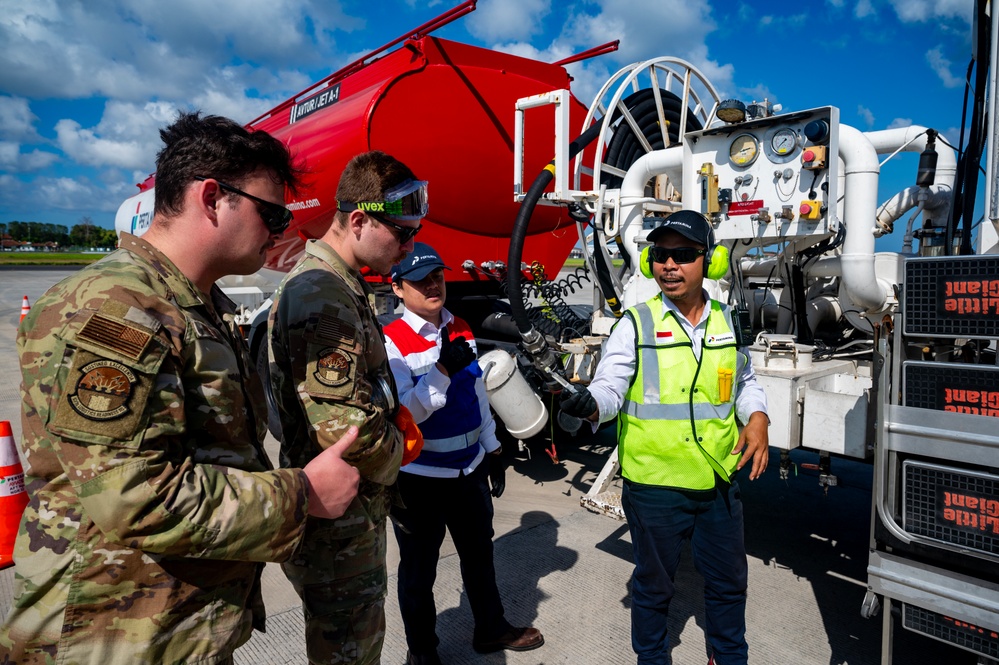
715,259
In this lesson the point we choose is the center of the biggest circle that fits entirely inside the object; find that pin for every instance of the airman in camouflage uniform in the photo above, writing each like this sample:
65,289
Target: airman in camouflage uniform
152,502
329,370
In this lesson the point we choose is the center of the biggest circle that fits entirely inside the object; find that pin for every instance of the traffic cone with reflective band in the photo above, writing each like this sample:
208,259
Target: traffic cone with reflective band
13,497
25,308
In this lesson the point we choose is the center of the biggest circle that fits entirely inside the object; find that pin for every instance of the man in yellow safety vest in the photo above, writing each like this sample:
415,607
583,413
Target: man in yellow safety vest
680,385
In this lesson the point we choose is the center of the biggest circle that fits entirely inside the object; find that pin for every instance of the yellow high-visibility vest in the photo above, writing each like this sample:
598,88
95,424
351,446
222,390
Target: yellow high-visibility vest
674,429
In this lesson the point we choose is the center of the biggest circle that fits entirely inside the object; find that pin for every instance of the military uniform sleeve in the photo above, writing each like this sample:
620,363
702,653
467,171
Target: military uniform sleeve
329,371
110,384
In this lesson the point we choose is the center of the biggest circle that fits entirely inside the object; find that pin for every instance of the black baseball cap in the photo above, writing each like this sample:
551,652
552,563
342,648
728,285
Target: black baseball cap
419,263
691,225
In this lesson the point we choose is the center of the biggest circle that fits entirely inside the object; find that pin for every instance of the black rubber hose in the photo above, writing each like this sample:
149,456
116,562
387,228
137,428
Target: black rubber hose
624,147
966,183
622,151
979,120
800,309
519,235
604,279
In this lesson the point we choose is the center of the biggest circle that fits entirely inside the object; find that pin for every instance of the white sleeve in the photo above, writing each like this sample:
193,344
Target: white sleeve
423,397
615,370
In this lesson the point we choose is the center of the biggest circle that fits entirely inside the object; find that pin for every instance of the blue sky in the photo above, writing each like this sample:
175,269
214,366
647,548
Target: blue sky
85,85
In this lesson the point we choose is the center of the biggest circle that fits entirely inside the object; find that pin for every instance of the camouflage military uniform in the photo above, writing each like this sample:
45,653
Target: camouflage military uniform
329,371
151,498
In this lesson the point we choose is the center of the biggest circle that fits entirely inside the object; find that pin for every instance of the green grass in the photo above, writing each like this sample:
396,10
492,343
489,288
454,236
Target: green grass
47,258
576,263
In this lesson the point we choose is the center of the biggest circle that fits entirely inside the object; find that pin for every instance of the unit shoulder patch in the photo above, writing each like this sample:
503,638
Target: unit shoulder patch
103,390
333,367
103,400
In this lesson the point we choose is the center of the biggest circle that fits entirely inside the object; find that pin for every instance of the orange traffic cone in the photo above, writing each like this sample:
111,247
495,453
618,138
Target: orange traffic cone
13,497
25,308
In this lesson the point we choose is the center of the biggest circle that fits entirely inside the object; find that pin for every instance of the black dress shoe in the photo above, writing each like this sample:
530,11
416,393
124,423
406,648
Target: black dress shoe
427,659
514,639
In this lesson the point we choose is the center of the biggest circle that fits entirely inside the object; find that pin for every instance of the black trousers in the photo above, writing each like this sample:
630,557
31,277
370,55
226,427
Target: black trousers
464,507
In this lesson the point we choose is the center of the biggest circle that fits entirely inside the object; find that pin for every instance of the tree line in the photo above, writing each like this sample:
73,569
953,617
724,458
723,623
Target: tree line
84,234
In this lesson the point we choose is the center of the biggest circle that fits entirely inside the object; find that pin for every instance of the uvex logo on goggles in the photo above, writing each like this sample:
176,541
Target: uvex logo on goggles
406,201
387,207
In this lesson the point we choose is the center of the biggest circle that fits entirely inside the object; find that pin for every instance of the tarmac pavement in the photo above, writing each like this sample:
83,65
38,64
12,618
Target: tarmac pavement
567,571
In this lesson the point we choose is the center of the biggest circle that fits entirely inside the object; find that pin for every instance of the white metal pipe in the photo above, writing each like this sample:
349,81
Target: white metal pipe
823,309
913,137
758,267
938,201
861,169
824,266
646,167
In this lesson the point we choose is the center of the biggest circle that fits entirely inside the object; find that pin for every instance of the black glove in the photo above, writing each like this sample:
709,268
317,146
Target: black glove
580,403
497,474
455,355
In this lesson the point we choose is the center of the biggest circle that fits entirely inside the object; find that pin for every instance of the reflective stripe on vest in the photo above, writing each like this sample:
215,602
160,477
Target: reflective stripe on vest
674,430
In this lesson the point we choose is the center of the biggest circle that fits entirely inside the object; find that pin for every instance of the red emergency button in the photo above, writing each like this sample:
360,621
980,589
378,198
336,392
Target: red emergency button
805,209
807,156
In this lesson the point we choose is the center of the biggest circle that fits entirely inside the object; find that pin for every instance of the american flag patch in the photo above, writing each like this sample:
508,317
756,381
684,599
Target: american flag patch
116,336
334,329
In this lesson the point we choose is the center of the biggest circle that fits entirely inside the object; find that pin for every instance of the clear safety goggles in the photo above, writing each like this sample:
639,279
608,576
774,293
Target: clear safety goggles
406,201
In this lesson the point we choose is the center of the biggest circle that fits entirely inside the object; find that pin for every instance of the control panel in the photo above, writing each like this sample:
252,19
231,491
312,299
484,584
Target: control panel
773,178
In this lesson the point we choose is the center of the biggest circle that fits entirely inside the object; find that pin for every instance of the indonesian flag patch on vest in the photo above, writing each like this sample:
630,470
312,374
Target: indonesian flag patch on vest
664,337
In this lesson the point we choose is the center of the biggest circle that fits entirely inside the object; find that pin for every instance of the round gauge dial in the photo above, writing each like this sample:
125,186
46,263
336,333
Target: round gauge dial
744,150
784,141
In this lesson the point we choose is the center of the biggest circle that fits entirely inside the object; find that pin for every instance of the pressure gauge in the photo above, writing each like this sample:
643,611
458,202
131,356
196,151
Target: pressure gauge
784,141
744,150
781,144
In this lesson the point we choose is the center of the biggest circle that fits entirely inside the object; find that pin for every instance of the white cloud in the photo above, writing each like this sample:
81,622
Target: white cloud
12,159
46,194
73,194
911,11
864,9
17,122
838,4
941,65
126,137
142,49
866,115
899,122
503,20
757,93
646,28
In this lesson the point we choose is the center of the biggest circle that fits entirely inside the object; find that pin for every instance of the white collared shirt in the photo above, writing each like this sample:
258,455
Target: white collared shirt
430,394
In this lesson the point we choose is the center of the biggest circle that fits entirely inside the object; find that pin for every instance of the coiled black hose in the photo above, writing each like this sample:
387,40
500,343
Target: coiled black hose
622,151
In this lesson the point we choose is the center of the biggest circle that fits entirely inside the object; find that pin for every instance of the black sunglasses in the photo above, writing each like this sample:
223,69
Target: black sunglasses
275,216
403,233
679,255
